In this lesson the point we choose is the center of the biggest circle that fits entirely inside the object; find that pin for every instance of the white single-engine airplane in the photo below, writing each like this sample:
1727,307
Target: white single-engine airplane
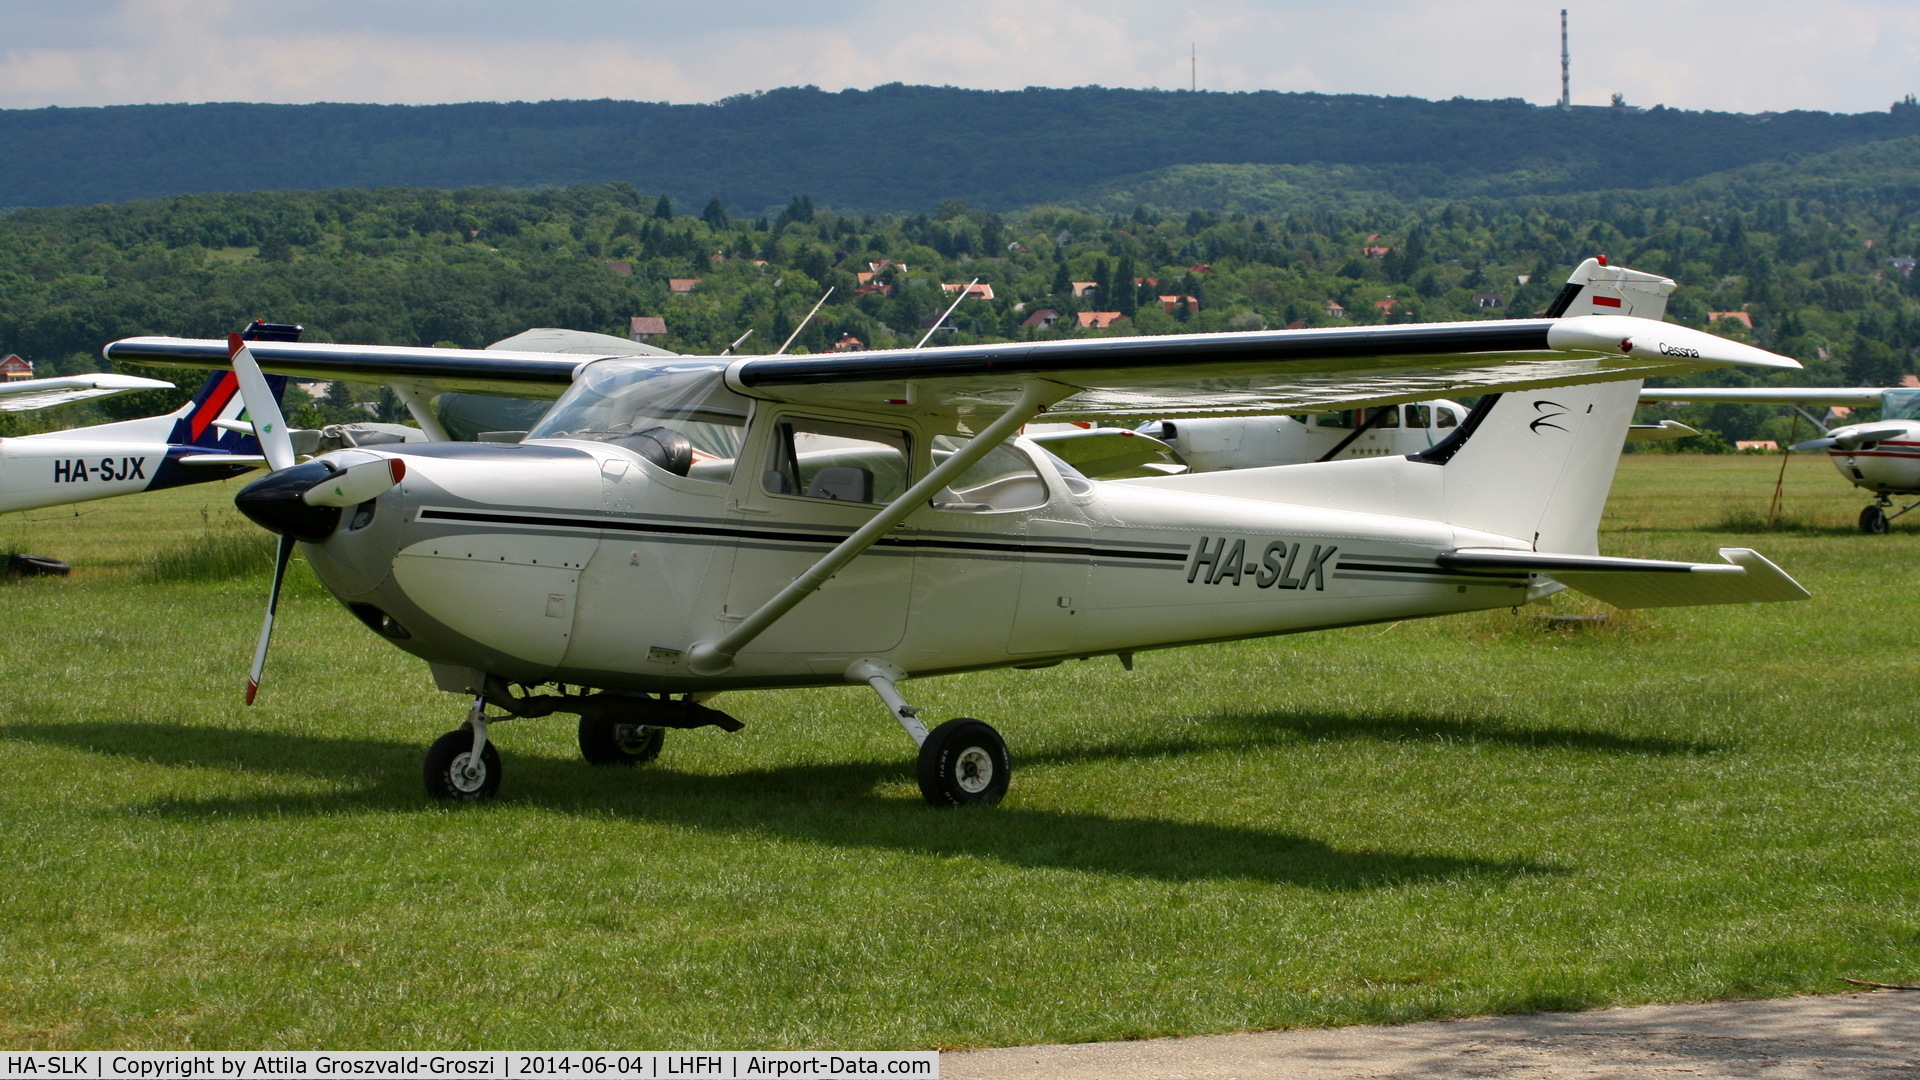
1882,456
679,527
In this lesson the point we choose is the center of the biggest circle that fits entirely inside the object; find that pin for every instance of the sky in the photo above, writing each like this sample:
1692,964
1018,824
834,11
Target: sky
1756,56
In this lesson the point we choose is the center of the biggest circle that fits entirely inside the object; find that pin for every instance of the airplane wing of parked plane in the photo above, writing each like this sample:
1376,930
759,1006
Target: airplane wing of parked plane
1103,378
23,395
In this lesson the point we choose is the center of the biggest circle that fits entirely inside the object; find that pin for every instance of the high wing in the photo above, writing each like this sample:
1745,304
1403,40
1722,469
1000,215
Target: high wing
477,371
1253,373
1848,396
1264,372
25,394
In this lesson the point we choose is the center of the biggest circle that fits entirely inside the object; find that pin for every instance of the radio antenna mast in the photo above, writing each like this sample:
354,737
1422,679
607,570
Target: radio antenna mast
803,324
937,323
1193,58
1566,95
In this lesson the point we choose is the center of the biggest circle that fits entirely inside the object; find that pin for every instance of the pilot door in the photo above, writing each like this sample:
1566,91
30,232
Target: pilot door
816,481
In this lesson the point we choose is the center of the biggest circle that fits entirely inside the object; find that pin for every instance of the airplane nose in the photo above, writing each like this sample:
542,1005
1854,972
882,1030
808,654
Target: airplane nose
274,503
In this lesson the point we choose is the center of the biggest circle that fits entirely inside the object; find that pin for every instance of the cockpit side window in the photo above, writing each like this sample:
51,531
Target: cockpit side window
836,461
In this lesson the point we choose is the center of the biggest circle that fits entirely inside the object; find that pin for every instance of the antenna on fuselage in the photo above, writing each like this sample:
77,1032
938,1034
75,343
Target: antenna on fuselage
937,323
803,323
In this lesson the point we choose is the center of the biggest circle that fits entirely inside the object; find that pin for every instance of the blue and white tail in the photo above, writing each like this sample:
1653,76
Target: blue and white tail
199,423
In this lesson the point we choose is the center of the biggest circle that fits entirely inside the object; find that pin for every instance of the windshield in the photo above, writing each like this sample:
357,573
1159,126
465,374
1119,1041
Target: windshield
644,404
1900,405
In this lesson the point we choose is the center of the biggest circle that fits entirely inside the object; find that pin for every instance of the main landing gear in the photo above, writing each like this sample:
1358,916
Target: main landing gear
963,762
616,728
1875,519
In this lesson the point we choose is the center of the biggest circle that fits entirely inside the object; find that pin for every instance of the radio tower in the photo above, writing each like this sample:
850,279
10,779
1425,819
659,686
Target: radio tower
1566,96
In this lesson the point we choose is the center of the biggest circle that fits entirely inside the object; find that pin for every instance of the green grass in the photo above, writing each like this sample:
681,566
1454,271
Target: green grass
1387,823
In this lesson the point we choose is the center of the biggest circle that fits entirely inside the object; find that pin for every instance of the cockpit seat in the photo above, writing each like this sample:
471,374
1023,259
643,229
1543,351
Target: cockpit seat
842,483
662,446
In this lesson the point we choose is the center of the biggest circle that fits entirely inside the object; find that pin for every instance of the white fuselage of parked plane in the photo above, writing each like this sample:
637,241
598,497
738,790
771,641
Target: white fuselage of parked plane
600,571
1216,444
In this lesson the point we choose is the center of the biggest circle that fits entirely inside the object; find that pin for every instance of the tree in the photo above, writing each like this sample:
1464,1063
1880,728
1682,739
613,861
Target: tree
663,209
715,215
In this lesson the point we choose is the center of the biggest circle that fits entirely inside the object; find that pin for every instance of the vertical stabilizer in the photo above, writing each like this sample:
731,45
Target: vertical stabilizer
1538,464
1594,288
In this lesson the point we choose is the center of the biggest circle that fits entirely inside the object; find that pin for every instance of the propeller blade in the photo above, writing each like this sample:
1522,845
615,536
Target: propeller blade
269,425
356,483
1814,444
280,556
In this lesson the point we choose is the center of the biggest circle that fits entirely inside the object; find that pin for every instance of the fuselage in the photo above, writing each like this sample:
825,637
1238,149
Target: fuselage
84,464
582,562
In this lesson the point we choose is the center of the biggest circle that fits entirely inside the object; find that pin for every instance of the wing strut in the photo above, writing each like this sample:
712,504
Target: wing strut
716,657
420,404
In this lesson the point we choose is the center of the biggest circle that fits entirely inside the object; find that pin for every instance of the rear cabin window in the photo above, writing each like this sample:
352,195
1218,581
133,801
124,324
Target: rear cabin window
1419,416
836,461
1005,479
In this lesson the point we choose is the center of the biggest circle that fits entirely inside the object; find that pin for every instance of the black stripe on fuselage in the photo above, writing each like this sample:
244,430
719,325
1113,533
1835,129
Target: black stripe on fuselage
688,530
1393,568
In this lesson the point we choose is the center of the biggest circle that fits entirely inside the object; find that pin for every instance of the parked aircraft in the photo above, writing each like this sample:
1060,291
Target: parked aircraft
676,528
208,438
205,439
1882,456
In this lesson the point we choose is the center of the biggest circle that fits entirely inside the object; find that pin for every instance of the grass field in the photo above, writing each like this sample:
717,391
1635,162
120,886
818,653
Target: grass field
1427,819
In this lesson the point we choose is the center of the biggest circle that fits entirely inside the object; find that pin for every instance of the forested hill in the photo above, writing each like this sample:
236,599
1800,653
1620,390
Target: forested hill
895,147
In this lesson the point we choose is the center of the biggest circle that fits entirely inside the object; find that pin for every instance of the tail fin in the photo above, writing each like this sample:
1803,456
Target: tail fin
219,399
1594,288
1537,465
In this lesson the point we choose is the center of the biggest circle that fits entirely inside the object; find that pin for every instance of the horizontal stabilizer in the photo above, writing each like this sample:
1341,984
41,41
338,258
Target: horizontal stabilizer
1660,432
1745,578
223,459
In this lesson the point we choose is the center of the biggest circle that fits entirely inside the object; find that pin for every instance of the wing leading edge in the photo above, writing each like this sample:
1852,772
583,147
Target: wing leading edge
1253,373
1185,375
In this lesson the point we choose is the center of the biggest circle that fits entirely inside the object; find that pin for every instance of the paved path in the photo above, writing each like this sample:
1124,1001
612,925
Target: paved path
1843,1036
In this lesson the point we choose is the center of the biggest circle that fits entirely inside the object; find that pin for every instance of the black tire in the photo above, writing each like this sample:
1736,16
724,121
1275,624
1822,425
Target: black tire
26,566
964,763
1873,520
609,742
446,764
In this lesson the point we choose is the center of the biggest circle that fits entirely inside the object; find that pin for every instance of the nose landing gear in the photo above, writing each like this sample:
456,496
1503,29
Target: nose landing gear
616,728
1874,519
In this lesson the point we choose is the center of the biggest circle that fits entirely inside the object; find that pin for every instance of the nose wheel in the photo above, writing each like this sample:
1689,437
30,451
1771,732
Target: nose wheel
1874,520
463,766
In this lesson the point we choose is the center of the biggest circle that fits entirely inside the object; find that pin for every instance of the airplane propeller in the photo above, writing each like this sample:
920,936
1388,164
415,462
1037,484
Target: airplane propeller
1852,438
295,501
